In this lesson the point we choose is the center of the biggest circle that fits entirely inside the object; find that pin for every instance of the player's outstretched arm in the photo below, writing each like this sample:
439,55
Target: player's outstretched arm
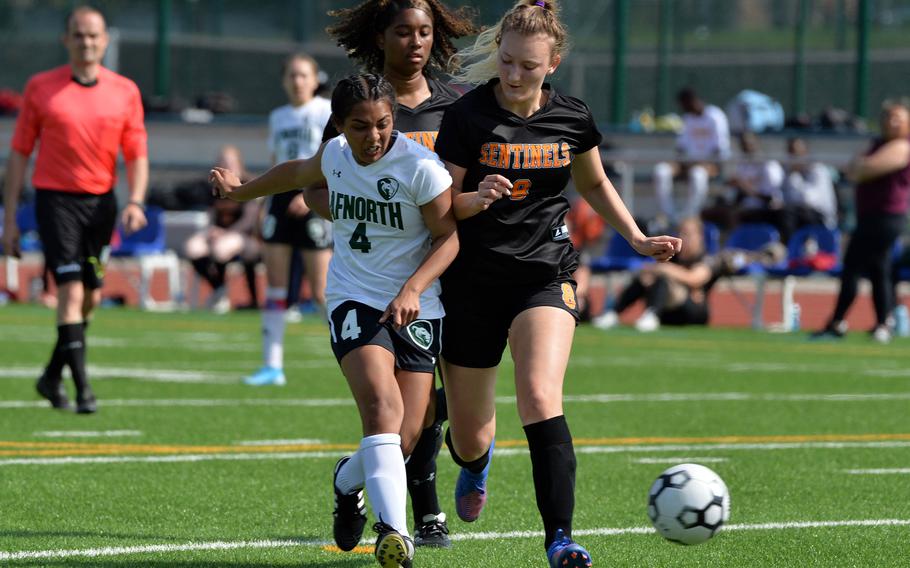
440,220
283,177
594,186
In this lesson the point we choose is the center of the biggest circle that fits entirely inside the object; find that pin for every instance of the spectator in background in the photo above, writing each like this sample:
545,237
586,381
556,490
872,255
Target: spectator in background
755,194
808,190
882,177
83,115
675,292
229,236
701,147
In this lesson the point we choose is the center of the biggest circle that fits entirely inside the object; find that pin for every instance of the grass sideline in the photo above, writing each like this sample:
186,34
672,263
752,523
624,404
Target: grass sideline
183,466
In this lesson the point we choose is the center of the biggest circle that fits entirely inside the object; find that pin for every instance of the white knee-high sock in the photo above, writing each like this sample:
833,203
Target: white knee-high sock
385,479
698,190
350,476
663,188
273,327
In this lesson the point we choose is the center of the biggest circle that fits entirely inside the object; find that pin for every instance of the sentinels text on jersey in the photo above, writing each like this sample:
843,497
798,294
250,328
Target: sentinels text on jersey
522,237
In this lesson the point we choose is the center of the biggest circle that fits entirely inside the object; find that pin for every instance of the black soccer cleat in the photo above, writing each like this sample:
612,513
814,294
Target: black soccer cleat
349,514
85,402
53,391
393,549
432,532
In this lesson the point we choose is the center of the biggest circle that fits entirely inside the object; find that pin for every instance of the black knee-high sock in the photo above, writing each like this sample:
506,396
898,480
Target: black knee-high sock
421,471
553,463
72,345
55,365
475,466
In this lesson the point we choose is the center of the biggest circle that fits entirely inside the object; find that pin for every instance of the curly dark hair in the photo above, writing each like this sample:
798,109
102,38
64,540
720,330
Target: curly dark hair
357,27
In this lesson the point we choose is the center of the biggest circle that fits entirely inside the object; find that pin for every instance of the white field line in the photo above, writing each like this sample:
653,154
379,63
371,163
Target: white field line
279,442
260,544
504,452
584,398
87,433
880,471
683,459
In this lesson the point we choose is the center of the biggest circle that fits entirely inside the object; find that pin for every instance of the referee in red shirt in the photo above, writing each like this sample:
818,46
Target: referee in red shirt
83,114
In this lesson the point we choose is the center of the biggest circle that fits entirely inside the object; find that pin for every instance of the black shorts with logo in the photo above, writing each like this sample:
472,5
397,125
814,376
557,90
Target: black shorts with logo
415,346
479,315
75,231
310,232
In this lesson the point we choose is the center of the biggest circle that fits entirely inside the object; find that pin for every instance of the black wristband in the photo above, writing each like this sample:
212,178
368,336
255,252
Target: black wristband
137,204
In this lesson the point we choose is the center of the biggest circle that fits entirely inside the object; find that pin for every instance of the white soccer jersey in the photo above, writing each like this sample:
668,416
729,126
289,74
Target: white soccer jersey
296,132
380,235
705,136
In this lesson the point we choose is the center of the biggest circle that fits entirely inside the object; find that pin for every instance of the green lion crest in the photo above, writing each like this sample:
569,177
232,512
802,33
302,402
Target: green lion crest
387,187
421,333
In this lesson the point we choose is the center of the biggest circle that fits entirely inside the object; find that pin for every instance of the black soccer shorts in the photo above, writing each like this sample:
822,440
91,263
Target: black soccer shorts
415,346
310,232
75,231
477,324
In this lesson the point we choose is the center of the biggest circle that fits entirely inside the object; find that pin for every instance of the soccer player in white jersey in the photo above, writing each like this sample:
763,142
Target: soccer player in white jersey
295,131
391,205
700,147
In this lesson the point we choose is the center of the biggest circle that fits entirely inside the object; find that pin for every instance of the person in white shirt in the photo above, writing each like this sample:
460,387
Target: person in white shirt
295,131
809,188
700,147
390,202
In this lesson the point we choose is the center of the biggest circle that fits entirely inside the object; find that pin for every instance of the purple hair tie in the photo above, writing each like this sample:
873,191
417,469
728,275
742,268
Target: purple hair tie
540,3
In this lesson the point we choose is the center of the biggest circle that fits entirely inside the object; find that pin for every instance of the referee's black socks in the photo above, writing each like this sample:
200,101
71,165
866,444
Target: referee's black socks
71,344
553,464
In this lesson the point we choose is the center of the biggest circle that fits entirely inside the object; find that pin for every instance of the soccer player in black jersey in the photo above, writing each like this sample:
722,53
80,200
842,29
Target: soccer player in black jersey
410,40
511,146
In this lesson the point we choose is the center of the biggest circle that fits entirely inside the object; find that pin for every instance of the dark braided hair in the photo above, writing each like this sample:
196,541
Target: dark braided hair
354,89
357,28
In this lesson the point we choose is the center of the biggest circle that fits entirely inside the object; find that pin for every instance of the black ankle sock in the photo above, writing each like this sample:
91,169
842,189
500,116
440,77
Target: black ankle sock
553,463
421,470
475,466
72,345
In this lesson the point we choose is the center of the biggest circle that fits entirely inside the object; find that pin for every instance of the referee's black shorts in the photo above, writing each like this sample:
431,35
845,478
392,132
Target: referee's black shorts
75,231
479,314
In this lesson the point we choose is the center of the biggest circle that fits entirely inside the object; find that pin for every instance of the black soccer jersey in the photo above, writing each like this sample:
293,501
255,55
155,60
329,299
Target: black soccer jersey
521,238
420,123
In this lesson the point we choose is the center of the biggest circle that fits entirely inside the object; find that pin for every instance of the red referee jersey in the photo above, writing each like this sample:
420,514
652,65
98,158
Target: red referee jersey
79,129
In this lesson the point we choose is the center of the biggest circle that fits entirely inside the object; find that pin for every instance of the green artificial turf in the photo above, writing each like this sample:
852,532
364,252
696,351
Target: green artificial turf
755,407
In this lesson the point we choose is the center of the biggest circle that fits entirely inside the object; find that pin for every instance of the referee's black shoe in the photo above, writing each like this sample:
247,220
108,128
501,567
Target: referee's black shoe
52,389
349,515
85,402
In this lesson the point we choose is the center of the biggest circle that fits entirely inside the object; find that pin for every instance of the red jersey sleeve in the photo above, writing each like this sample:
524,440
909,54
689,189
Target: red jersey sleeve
28,124
134,140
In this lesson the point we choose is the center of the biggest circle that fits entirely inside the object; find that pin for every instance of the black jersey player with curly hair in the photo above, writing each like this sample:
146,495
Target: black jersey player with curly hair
410,42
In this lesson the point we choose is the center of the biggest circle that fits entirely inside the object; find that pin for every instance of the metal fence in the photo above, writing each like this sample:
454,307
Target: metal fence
808,54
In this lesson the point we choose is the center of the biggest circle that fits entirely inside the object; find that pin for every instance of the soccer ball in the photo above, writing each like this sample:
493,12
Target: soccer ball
688,503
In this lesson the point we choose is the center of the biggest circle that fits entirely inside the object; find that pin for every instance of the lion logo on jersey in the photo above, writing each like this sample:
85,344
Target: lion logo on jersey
387,188
421,333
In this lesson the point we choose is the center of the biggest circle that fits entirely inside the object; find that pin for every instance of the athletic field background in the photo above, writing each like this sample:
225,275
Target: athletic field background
184,466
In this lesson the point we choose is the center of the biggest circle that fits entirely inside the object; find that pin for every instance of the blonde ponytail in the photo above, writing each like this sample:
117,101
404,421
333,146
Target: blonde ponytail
527,17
